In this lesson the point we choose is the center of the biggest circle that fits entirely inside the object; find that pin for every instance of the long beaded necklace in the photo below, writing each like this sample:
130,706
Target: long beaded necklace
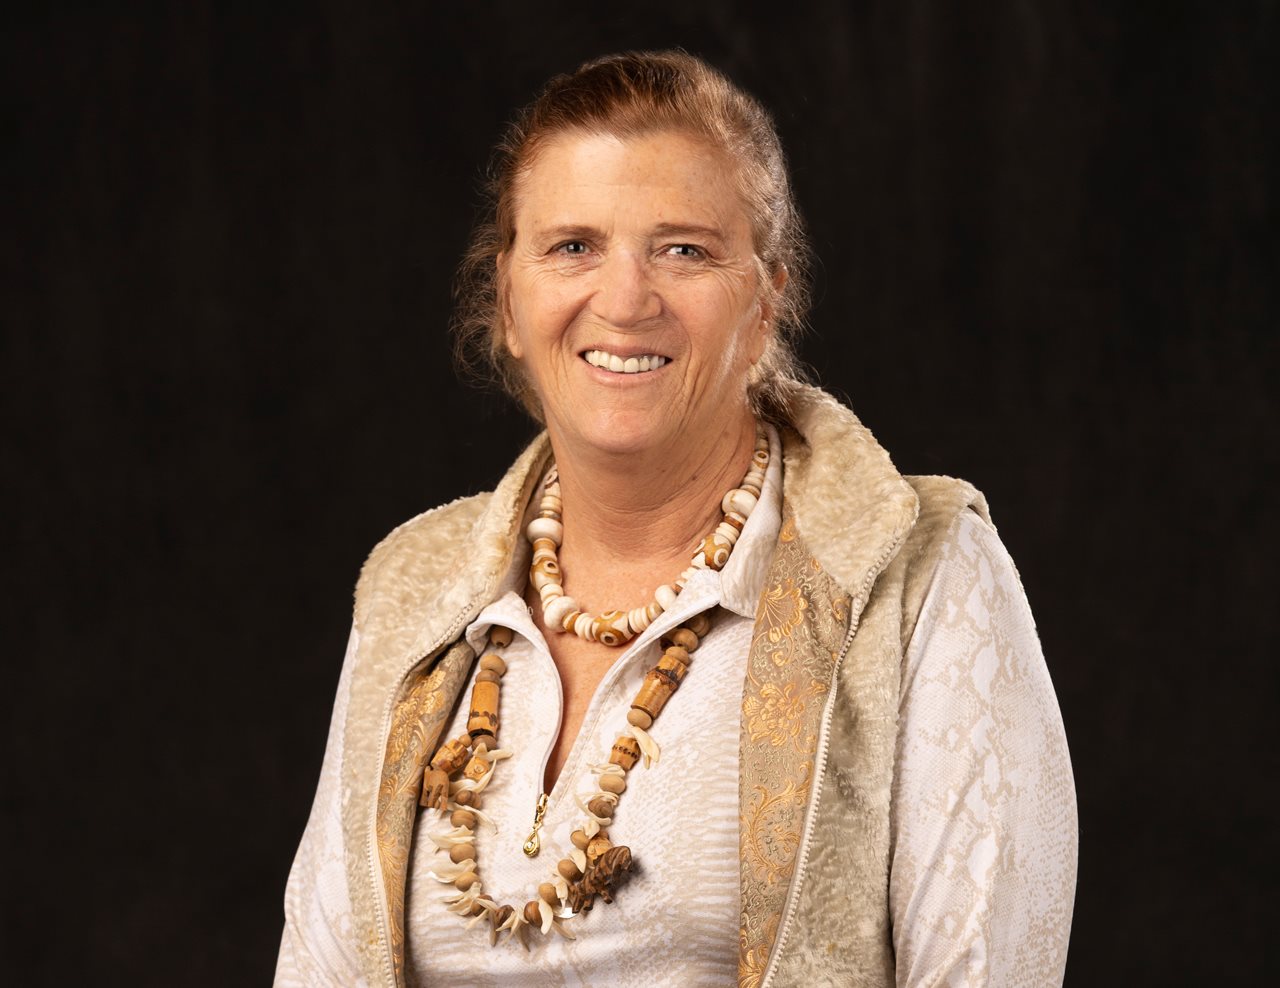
463,767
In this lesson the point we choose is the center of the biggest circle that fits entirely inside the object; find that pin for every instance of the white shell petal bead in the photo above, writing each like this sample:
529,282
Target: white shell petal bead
555,612
546,528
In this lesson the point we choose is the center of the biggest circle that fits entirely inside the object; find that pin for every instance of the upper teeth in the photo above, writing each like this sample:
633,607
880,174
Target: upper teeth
624,365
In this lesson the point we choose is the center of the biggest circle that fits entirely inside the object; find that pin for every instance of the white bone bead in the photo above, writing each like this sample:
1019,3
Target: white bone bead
584,627
555,612
666,596
736,500
550,592
541,579
638,619
700,561
726,532
546,528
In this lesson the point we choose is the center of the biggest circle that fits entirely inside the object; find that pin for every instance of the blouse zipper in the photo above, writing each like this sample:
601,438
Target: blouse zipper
533,845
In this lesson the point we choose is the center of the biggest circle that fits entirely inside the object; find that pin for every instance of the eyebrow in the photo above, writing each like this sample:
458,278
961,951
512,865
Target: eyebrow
570,231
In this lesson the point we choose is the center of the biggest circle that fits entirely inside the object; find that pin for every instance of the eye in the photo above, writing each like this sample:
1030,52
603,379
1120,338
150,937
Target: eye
573,248
684,250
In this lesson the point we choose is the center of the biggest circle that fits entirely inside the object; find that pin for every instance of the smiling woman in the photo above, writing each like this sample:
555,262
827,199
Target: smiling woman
704,656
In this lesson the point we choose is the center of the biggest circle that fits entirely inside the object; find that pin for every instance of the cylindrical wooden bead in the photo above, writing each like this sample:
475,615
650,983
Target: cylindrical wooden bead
568,869
500,636
654,693
462,852
625,751
548,894
532,914
672,667
580,839
487,676
615,784
639,718
493,663
464,881
452,755
599,844
483,717
463,818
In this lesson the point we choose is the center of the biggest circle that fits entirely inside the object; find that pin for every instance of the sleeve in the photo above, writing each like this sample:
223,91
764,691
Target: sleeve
318,947
983,810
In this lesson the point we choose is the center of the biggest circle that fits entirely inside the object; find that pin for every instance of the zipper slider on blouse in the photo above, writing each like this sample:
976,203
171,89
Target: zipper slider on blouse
533,845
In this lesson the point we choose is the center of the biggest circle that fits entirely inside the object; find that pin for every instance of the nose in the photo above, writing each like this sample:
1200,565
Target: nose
624,294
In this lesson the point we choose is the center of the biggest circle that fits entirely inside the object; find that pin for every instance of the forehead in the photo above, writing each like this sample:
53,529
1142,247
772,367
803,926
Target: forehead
663,177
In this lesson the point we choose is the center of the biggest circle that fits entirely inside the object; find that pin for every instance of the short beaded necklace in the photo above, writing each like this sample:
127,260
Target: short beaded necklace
463,767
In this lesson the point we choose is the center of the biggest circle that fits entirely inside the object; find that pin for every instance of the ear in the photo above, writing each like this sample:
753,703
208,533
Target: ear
509,336
768,323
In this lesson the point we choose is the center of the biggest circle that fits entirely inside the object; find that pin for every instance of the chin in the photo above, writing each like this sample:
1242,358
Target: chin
622,433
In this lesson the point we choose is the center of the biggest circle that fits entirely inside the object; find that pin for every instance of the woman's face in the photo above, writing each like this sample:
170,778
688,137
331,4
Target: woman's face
633,254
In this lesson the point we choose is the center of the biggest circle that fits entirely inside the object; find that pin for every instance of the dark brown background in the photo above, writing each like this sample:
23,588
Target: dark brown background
1049,254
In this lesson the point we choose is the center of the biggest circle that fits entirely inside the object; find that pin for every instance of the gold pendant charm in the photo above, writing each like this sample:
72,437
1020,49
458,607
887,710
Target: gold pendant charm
533,845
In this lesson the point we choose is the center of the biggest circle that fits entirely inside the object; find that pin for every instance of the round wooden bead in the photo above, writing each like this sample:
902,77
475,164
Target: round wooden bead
546,528
493,663
501,916
463,818
465,881
639,719
678,654
532,914
699,624
548,894
462,852
465,797
487,676
685,638
478,906
488,740
580,839
500,636
555,612
568,869
615,784
601,807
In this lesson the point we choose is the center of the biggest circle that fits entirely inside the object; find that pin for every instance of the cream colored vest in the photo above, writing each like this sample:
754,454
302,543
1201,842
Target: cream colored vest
855,555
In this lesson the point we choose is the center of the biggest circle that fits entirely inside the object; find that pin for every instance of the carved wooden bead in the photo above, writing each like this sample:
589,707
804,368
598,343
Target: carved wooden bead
625,751
487,676
500,636
639,718
483,716
452,755
555,612
611,628
435,790
463,818
568,869
462,852
532,914
615,784
601,807
580,839
476,769
599,844
464,881
546,528
493,663
548,894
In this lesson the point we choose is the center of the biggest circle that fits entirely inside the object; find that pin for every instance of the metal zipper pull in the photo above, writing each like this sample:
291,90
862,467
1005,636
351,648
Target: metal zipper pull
533,845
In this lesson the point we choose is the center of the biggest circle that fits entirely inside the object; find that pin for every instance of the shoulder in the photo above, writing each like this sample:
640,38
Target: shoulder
432,542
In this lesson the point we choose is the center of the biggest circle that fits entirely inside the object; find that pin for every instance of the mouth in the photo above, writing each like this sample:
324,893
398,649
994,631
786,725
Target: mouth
617,363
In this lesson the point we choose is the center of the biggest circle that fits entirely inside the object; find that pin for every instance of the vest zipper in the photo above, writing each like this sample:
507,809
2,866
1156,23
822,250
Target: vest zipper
820,765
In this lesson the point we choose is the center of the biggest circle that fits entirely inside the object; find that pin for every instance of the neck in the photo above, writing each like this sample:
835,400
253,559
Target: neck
634,521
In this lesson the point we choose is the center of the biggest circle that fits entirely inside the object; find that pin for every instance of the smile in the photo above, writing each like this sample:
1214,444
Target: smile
623,365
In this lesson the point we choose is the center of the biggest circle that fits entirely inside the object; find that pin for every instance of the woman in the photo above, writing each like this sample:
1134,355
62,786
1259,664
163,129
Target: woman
825,750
